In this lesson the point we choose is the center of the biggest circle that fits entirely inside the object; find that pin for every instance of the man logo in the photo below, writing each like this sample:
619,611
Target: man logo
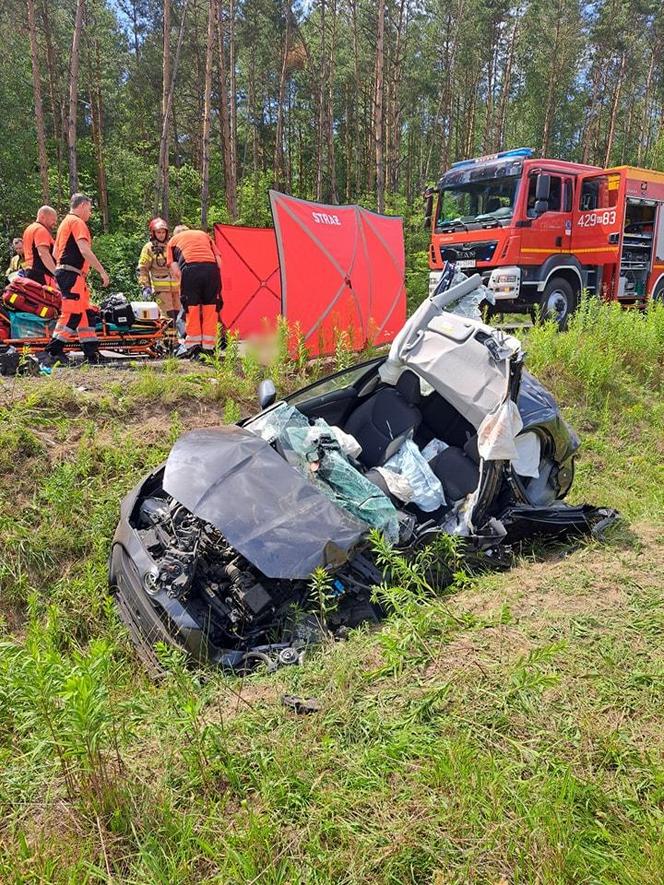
322,218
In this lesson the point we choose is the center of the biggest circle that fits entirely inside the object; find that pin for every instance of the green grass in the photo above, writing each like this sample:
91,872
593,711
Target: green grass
510,731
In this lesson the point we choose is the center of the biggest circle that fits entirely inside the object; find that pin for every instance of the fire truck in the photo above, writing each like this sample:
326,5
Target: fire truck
541,231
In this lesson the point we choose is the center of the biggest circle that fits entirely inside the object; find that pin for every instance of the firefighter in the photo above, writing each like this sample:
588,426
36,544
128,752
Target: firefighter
154,274
38,247
193,258
74,257
17,261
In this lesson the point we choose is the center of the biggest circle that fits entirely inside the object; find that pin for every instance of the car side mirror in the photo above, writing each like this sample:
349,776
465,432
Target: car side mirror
543,187
428,207
540,207
267,393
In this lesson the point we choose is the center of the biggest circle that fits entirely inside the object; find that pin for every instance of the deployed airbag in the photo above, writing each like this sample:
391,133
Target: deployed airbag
264,508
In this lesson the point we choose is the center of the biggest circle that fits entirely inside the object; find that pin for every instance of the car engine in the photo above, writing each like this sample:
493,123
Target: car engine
241,608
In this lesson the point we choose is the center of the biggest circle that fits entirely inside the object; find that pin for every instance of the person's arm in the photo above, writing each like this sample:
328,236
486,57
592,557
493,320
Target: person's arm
93,261
144,265
47,258
172,255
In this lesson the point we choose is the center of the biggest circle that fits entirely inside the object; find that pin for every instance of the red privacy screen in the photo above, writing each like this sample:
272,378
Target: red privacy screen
251,286
342,268
329,269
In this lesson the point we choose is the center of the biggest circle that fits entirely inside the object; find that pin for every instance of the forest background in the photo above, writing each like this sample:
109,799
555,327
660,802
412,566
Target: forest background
194,108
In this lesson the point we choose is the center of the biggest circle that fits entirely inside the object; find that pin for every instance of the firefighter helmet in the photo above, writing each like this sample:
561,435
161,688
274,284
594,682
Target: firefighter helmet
157,224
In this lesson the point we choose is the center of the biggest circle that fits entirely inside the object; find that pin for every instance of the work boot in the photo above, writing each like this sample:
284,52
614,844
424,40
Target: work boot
187,353
53,356
91,354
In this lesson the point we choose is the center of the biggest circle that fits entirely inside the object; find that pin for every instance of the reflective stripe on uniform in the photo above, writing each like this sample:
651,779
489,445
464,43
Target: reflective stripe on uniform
63,332
87,333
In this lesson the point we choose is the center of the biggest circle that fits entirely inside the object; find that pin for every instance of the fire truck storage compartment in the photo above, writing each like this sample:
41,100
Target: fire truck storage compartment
636,255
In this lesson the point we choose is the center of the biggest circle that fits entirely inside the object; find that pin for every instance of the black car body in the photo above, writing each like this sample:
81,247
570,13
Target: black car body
214,550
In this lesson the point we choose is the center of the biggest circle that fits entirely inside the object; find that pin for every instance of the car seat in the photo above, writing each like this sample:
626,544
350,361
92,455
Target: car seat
382,423
458,469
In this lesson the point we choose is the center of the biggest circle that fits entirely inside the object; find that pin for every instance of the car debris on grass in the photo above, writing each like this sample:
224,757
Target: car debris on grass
447,434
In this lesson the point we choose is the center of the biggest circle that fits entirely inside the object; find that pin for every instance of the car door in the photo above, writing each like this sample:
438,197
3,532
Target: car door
599,218
546,234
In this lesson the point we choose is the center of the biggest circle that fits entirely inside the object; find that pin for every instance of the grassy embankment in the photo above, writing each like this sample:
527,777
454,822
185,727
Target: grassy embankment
508,732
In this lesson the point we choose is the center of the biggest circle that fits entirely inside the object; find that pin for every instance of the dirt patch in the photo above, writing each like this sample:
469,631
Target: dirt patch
597,582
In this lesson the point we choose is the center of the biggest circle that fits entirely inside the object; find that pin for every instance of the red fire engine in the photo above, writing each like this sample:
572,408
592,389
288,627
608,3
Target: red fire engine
541,231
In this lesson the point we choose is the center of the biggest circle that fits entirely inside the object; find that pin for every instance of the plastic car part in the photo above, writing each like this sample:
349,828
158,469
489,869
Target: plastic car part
301,705
321,456
427,489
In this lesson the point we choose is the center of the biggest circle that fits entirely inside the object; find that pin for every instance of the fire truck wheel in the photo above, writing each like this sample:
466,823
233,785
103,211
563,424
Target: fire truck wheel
559,301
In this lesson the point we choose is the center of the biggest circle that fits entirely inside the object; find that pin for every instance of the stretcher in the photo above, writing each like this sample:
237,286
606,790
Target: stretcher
30,327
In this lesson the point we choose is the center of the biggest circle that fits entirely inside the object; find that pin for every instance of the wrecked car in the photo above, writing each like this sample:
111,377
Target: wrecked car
447,433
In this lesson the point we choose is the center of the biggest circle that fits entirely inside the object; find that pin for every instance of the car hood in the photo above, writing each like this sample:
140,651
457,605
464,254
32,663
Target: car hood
263,506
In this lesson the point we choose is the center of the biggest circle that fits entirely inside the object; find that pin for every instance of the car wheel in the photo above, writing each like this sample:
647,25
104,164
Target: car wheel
559,301
658,294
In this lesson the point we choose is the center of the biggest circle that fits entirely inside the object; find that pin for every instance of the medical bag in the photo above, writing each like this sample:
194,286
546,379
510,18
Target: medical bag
29,296
117,310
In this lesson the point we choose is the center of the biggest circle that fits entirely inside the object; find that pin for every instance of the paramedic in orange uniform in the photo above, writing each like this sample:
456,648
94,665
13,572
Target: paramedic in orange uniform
191,255
38,247
74,257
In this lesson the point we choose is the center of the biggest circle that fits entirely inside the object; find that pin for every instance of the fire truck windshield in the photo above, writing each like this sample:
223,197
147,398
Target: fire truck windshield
481,200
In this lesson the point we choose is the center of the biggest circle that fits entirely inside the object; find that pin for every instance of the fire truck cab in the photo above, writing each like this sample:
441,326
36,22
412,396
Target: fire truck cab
541,231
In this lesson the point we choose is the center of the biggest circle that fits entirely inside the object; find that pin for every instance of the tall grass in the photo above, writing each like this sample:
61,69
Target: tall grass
497,728
605,349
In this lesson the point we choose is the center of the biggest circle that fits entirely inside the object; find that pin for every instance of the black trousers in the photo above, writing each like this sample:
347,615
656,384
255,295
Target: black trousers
201,284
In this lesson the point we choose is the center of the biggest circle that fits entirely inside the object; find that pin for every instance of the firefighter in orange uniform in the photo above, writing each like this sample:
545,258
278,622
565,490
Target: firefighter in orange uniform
38,247
193,257
74,257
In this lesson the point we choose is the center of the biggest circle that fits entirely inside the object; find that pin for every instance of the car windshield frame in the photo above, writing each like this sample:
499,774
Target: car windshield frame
348,377
501,181
479,193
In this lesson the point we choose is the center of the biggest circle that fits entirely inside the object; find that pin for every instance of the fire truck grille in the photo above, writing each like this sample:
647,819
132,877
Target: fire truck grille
472,251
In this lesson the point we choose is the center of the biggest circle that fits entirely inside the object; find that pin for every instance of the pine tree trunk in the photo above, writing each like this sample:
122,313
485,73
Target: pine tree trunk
213,16
487,142
39,111
279,135
162,168
322,99
165,127
348,139
378,117
97,116
57,106
589,120
614,108
232,79
329,105
645,116
73,95
507,82
551,92
393,108
356,160
224,117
